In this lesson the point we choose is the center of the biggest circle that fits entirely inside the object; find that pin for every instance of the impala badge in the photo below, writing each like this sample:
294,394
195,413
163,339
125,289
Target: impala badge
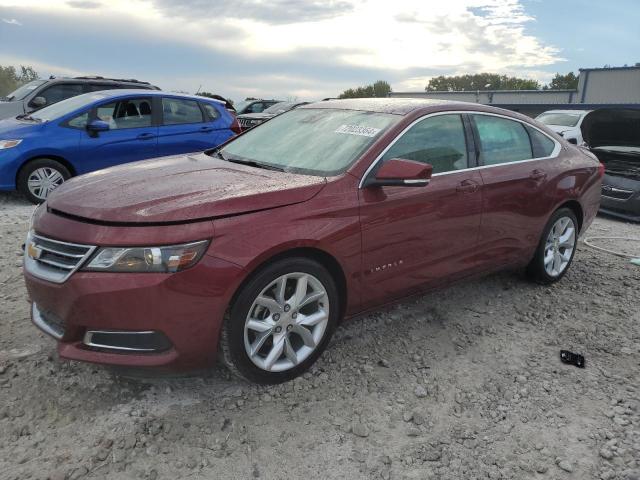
386,266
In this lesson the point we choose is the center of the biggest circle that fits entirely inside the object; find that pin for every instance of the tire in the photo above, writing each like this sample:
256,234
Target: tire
280,340
560,244
50,172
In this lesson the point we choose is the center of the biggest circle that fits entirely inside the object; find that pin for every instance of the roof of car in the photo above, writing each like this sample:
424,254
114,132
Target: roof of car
155,93
398,106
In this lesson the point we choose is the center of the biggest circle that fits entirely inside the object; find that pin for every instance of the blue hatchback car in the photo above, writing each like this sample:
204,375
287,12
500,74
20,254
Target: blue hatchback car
101,129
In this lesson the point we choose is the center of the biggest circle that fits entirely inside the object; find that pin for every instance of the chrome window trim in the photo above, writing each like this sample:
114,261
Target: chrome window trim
554,153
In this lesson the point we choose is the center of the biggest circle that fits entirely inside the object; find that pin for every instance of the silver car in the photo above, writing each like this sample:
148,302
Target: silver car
42,93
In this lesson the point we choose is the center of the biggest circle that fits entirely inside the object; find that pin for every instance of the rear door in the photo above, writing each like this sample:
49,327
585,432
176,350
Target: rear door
132,134
188,126
415,237
517,162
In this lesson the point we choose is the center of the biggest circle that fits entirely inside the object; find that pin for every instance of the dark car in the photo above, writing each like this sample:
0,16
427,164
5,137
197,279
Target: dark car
254,106
258,249
41,93
613,135
250,120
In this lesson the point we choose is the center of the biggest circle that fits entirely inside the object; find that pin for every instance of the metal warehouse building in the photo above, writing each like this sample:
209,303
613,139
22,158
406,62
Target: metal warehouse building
597,88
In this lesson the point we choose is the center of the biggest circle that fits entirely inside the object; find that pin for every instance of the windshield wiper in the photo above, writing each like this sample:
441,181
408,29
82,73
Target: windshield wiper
26,116
253,163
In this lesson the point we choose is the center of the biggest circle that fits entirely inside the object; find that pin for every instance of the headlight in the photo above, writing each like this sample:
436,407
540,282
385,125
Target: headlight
167,259
4,144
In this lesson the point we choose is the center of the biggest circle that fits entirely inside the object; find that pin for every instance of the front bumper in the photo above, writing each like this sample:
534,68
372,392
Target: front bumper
621,198
185,308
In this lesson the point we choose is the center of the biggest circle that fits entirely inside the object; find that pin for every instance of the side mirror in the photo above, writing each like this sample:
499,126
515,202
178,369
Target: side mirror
400,172
96,126
38,102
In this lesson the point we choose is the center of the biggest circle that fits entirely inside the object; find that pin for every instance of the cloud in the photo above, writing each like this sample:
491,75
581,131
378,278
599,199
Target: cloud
88,4
280,48
270,12
12,21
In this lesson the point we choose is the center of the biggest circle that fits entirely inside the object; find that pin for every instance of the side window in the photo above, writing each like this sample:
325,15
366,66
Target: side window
502,140
61,91
543,146
129,113
79,121
177,111
438,140
211,111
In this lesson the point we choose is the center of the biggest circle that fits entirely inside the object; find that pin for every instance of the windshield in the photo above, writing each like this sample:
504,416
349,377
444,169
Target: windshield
560,119
63,107
311,141
280,107
241,105
24,90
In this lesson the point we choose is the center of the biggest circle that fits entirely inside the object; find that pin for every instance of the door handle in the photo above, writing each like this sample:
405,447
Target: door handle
538,174
207,129
467,186
146,136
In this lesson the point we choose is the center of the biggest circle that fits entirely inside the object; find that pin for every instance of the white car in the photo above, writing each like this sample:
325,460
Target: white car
565,122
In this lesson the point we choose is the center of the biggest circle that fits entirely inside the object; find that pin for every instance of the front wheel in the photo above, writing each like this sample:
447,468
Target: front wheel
556,249
280,322
38,178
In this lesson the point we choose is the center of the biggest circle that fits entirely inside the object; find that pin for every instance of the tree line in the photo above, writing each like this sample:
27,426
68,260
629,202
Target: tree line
475,82
11,78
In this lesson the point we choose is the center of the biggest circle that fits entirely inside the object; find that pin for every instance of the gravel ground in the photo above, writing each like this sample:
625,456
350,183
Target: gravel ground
464,383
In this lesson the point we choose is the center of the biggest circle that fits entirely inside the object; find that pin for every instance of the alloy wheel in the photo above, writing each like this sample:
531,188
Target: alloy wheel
286,322
559,246
42,181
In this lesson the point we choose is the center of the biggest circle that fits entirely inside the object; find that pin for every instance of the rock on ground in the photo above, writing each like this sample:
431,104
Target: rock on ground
461,383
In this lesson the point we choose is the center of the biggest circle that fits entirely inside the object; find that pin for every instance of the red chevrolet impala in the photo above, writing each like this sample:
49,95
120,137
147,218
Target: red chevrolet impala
257,250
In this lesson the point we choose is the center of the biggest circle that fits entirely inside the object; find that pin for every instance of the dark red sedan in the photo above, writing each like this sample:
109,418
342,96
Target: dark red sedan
257,250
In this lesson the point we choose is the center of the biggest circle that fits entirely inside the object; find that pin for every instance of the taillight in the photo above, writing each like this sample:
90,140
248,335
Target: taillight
601,170
235,126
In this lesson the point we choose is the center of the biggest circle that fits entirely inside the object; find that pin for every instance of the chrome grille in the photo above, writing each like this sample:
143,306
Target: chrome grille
245,123
53,260
617,193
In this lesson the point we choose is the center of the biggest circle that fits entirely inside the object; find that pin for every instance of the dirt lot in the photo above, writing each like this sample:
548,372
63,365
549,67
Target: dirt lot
460,384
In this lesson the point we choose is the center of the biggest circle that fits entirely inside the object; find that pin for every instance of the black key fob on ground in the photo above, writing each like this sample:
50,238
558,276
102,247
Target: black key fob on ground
572,358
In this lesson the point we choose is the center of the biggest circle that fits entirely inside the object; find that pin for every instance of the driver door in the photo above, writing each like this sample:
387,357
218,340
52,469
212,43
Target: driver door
417,237
132,134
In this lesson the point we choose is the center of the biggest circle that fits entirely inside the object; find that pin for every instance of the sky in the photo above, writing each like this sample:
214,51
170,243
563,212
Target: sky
312,49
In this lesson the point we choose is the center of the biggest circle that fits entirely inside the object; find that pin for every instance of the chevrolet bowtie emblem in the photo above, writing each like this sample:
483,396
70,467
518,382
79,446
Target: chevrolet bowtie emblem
33,251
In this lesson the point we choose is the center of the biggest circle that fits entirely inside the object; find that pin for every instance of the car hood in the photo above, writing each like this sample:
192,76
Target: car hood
11,129
10,109
560,128
258,116
179,189
612,127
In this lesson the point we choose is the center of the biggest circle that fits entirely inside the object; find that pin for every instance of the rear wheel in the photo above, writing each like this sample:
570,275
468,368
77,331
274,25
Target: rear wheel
38,178
557,248
280,322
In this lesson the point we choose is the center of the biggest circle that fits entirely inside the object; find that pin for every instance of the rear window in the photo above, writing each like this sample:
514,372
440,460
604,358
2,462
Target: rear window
559,119
176,111
502,140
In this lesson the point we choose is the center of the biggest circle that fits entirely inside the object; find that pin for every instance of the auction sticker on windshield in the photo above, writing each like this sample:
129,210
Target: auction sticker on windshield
358,130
